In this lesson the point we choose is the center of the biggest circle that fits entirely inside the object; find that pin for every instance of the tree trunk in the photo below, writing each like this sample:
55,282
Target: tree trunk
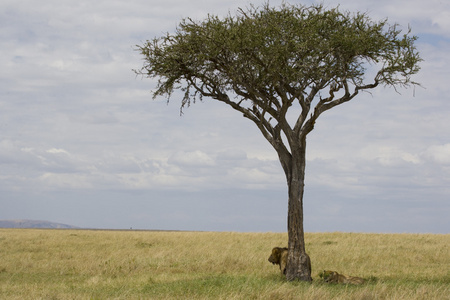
299,264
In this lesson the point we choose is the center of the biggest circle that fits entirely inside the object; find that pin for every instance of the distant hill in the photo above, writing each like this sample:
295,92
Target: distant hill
33,224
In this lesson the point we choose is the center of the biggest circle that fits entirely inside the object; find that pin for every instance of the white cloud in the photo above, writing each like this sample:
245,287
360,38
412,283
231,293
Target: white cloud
388,155
439,154
191,159
56,151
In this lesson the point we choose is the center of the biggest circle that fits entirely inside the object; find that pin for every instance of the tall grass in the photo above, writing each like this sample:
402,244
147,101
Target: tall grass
81,264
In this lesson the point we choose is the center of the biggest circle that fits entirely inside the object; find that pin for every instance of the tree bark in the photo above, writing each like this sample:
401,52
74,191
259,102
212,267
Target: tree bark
299,265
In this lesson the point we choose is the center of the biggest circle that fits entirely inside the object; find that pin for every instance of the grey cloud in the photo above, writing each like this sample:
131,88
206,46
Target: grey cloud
115,165
96,117
232,155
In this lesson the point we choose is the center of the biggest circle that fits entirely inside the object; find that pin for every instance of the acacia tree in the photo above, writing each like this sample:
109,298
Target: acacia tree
265,60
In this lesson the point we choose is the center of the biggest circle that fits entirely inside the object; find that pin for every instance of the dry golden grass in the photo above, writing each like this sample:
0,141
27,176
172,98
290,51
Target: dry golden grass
82,264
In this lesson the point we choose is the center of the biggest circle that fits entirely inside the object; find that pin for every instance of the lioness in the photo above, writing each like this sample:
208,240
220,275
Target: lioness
335,277
279,257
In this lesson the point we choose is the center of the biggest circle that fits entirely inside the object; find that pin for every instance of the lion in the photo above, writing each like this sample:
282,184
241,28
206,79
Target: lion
335,277
279,257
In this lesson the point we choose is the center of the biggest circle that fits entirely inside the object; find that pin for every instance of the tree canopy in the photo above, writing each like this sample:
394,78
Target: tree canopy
262,60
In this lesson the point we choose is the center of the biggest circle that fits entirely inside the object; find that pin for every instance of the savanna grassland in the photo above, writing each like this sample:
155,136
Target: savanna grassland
83,264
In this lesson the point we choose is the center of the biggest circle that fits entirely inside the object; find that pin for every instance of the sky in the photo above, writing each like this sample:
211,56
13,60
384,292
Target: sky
83,143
